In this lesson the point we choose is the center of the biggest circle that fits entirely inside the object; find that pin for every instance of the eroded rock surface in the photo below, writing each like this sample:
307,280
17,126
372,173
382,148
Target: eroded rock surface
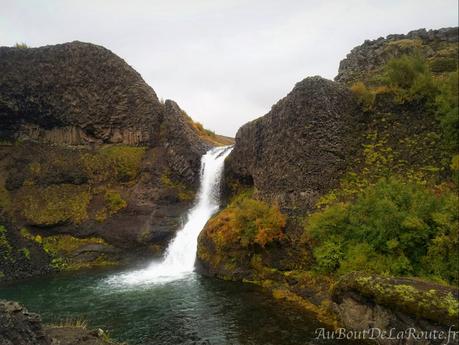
299,150
438,46
88,156
18,326
75,93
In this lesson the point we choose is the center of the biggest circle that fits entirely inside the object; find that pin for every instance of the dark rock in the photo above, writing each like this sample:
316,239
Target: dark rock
183,146
368,58
365,301
75,93
300,149
19,327
62,104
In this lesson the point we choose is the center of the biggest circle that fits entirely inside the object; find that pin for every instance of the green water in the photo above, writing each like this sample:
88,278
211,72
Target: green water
192,310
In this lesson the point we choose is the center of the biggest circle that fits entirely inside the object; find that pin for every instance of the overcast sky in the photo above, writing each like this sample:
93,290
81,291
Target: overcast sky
223,61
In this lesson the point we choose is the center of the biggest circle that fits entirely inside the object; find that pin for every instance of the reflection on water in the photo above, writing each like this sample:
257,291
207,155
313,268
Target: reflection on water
192,310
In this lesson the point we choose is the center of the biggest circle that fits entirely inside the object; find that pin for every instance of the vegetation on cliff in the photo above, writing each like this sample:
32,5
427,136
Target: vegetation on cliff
391,206
392,227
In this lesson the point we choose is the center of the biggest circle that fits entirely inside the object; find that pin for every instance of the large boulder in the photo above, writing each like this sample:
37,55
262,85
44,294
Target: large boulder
75,93
299,150
19,327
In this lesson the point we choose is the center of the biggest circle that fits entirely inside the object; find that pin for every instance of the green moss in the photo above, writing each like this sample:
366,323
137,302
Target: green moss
26,253
62,248
54,204
126,159
5,247
410,296
183,193
113,163
114,202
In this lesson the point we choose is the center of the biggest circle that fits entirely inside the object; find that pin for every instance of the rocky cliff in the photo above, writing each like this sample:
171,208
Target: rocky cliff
331,181
299,150
93,166
365,61
75,93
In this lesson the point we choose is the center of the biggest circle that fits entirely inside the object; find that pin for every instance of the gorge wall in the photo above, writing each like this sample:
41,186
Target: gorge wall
308,184
94,169
298,151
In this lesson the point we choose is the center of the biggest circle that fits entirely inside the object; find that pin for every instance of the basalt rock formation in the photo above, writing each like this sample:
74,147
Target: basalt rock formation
366,60
299,150
93,167
75,93
319,148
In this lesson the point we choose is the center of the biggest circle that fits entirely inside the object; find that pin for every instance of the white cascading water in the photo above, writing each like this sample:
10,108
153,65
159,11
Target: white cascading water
181,253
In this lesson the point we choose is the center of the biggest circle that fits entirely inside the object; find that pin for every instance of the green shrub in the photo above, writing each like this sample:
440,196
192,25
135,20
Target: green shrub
448,110
391,227
444,64
410,78
26,253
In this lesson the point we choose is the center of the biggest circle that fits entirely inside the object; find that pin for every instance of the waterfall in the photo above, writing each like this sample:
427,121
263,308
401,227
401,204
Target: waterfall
181,253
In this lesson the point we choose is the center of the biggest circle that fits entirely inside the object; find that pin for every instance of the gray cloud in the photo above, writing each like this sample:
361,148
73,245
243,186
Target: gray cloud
224,61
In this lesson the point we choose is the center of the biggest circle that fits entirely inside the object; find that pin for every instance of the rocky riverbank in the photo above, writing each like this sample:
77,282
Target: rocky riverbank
18,326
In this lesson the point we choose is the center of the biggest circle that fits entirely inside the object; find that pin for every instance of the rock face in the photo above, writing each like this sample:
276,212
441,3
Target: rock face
436,45
90,160
320,144
20,327
75,93
298,150
364,302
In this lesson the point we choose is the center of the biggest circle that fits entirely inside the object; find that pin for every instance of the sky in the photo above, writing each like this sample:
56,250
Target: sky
225,62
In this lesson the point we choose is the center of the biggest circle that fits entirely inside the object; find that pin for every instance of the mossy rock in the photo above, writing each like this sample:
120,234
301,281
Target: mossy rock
71,253
56,204
414,297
